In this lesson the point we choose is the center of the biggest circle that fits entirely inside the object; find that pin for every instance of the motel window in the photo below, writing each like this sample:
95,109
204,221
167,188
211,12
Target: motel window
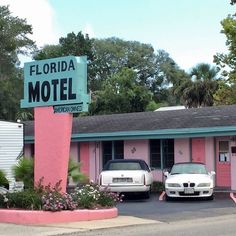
162,153
112,150
224,151
32,150
168,153
155,153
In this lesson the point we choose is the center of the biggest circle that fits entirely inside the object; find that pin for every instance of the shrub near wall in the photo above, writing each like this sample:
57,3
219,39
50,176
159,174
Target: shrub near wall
51,199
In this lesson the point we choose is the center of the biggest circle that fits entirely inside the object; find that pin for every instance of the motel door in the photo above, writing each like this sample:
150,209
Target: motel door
223,173
198,150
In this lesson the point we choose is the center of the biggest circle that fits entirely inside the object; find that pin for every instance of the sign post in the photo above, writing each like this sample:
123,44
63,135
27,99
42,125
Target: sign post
56,88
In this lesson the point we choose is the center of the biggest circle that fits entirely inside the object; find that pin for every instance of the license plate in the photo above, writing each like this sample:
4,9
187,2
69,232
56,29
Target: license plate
122,180
188,190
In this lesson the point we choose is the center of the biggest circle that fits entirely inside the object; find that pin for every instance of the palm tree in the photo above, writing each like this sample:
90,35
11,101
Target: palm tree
199,91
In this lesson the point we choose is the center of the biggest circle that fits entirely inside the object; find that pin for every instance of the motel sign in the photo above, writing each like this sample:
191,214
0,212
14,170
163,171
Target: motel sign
59,82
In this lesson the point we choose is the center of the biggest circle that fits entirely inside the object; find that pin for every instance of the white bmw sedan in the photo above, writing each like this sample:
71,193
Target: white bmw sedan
127,176
189,180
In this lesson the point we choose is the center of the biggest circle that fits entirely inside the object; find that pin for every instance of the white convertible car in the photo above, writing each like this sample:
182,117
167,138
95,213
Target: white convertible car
126,176
189,180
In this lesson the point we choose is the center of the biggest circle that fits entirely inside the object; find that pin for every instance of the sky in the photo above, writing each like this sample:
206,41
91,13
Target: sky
189,30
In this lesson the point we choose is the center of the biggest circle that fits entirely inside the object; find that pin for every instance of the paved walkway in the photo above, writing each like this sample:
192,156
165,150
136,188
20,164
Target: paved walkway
57,229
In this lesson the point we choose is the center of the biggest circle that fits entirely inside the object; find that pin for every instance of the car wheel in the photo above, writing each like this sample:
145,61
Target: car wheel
146,195
167,198
211,197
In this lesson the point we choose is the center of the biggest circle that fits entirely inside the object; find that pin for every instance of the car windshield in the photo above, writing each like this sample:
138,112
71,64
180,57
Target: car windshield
124,166
188,168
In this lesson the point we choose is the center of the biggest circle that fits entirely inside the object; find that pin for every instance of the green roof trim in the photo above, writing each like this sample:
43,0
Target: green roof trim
152,134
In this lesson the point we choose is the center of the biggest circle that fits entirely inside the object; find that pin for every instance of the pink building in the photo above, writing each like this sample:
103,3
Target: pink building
161,138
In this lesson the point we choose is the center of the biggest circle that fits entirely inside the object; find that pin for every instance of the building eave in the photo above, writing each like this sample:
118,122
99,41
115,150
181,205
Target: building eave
151,134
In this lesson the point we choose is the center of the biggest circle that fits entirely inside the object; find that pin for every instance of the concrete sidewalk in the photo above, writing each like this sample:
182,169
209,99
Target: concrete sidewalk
62,228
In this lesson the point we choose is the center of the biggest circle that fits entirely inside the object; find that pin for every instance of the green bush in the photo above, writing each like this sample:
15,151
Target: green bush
3,180
157,186
52,199
90,197
27,199
75,174
24,171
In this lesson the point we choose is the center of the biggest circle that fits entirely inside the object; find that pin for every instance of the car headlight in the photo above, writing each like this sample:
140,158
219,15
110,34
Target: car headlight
171,185
204,185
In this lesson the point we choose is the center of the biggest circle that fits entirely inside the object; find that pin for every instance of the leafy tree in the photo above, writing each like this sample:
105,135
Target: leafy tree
121,93
108,58
168,79
226,94
10,94
72,44
77,45
47,52
13,41
200,89
156,71
113,54
228,61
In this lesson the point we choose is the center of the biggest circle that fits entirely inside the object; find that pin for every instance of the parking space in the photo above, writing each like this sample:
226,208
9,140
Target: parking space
175,210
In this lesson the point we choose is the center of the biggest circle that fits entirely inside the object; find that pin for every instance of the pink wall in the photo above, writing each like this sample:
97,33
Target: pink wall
140,149
74,151
210,153
137,149
52,146
95,160
233,167
182,150
84,157
198,150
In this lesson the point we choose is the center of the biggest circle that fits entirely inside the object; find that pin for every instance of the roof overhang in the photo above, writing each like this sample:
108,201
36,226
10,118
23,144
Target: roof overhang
152,134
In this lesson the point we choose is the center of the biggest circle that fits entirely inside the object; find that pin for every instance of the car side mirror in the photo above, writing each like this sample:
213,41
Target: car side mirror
212,173
166,173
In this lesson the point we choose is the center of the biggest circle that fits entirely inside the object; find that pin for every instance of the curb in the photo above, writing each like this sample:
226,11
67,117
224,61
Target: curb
48,217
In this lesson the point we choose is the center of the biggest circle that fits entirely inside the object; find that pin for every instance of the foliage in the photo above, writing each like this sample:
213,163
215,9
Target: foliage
75,173
112,60
72,44
157,186
13,41
152,106
91,197
121,93
200,89
28,199
50,198
3,180
10,94
109,199
226,94
227,61
54,200
24,171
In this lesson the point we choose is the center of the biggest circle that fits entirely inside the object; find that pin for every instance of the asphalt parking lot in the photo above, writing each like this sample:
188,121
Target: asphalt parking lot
176,210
